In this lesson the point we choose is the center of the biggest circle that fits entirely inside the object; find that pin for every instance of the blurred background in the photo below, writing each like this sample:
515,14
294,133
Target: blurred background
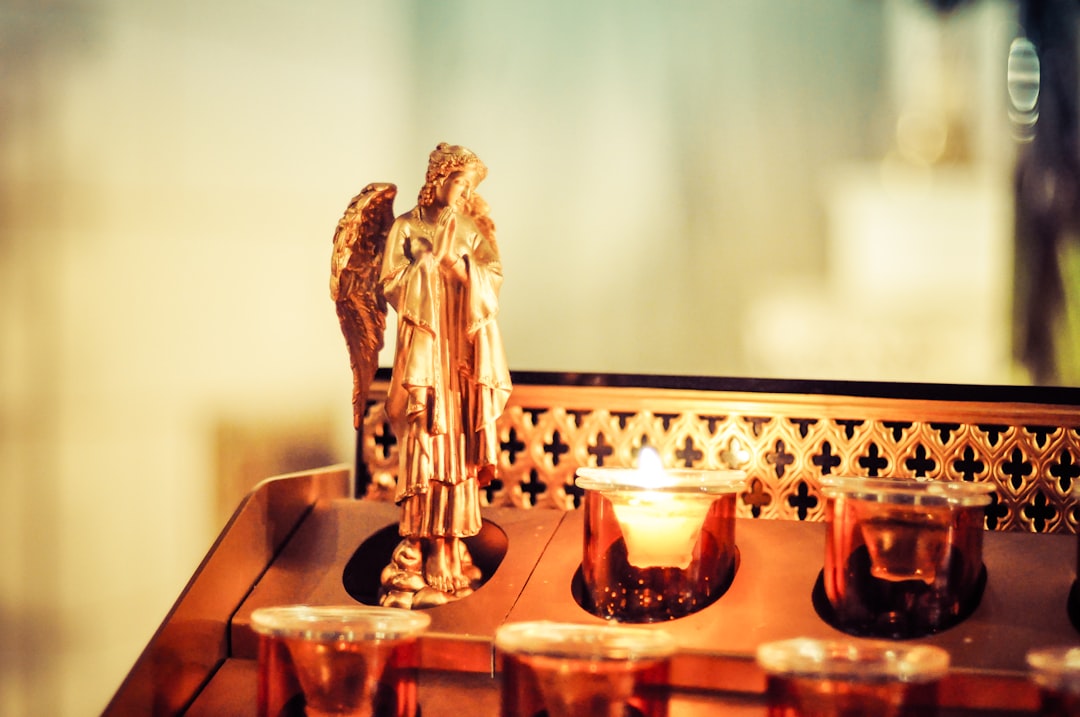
850,189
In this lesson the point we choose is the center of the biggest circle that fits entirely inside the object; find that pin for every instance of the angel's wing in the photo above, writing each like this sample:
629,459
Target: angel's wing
354,283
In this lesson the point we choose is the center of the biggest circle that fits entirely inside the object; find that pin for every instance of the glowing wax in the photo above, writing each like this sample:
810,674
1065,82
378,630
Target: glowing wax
660,529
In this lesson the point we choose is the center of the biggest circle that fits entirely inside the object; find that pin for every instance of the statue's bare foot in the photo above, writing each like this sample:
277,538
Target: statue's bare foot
462,561
439,566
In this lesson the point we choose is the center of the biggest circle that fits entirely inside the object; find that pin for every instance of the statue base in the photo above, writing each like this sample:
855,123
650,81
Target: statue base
404,585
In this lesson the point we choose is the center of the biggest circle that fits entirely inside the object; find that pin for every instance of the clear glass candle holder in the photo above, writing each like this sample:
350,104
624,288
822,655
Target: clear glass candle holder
1056,672
864,678
903,558
550,669
657,546
354,661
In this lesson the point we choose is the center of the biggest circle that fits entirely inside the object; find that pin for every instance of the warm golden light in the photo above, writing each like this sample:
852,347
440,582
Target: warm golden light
660,528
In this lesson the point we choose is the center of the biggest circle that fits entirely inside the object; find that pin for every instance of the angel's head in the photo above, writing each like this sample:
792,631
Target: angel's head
447,164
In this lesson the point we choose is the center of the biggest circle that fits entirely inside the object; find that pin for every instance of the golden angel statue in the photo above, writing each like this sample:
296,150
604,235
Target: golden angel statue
438,266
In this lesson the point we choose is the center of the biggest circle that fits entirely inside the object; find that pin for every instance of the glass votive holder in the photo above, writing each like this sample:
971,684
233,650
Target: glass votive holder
659,545
903,558
1056,672
338,660
826,678
551,669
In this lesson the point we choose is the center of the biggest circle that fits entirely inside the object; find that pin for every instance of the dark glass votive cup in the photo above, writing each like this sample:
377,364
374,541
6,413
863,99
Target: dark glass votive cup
903,558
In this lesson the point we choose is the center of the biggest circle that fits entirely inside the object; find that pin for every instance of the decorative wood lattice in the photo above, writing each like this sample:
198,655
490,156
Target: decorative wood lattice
785,442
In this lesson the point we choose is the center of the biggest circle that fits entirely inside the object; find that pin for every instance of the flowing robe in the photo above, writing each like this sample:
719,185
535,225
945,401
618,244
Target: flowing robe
450,381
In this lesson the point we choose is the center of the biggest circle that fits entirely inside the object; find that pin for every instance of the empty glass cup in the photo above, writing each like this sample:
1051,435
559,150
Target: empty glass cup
354,661
1056,670
567,670
857,678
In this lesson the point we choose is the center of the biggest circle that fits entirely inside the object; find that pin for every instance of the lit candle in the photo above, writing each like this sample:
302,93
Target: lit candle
660,528
646,556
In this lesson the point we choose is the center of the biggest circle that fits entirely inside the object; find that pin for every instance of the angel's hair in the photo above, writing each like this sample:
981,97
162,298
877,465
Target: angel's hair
443,162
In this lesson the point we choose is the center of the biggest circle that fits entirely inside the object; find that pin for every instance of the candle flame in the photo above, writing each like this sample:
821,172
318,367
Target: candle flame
650,468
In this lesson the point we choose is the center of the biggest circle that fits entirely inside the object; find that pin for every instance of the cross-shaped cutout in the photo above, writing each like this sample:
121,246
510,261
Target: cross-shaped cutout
1016,468
825,460
688,454
492,488
556,448
600,450
1040,512
756,497
533,487
995,512
802,500
780,458
969,465
575,491
512,446
920,464
735,455
873,462
1065,470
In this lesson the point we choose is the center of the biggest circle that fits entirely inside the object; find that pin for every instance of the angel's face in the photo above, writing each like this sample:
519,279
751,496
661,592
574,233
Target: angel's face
455,190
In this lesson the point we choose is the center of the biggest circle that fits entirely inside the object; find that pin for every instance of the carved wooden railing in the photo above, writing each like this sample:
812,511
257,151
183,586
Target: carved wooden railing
785,435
